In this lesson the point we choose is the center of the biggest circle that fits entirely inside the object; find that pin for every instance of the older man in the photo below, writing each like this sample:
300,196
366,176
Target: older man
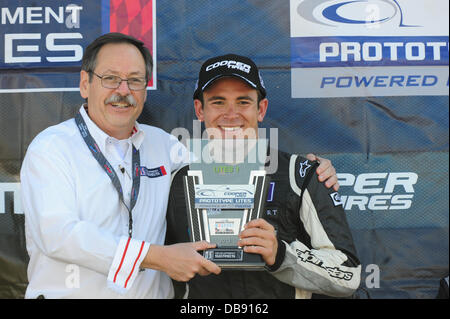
95,188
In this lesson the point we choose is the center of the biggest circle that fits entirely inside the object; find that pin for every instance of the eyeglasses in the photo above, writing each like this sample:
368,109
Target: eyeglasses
113,82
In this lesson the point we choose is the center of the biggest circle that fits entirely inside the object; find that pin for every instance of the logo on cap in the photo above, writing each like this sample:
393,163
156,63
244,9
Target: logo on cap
231,65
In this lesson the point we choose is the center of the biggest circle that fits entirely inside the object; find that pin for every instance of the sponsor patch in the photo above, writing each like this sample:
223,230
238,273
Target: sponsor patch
336,198
270,192
303,168
307,256
153,172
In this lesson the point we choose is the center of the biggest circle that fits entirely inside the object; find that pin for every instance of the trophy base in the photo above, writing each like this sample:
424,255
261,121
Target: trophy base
233,258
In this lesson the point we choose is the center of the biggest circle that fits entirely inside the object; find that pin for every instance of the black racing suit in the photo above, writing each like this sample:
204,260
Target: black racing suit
316,254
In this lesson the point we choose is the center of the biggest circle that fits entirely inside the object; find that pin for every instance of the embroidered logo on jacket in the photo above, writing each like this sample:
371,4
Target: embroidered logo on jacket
335,272
303,168
336,197
153,172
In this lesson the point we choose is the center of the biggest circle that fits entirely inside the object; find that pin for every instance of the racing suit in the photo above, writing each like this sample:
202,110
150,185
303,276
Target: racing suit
316,254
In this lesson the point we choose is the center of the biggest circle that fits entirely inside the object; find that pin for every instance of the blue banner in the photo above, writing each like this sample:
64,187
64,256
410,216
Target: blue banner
49,40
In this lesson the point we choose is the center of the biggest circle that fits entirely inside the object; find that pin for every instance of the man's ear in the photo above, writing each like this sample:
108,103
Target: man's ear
84,84
198,106
263,105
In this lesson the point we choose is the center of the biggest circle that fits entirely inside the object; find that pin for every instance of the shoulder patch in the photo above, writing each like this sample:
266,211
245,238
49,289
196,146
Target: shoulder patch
336,198
304,166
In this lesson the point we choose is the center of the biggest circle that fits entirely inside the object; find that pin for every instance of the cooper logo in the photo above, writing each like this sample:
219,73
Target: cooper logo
378,191
356,12
231,65
237,194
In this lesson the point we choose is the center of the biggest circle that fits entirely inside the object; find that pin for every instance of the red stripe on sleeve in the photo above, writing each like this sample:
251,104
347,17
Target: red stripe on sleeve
123,257
134,265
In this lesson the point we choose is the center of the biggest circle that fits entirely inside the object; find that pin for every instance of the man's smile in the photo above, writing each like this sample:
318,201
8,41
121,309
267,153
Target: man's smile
230,128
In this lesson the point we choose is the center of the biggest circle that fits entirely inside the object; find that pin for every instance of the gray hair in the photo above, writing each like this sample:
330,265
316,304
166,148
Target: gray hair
89,61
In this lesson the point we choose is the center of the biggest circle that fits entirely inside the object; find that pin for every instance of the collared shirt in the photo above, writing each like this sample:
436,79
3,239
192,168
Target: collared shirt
76,226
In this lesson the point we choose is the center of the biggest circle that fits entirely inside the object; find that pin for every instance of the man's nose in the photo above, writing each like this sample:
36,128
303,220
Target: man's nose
123,88
231,111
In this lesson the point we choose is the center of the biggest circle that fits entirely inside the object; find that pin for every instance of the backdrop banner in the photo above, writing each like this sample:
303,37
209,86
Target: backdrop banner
369,48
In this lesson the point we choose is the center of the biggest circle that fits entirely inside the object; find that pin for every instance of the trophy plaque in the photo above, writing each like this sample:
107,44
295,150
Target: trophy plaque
225,188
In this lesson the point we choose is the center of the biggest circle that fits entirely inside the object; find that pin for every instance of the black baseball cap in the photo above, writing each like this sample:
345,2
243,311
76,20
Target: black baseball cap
229,65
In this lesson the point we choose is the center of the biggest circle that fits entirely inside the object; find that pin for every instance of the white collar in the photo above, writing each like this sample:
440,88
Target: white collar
136,137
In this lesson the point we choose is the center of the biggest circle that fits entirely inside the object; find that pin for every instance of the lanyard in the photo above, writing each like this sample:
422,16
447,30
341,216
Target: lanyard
98,155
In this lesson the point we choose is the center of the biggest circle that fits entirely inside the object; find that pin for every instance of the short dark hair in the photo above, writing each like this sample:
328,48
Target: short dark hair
89,61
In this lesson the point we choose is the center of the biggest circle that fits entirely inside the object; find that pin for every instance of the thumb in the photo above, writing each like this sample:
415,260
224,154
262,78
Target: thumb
312,157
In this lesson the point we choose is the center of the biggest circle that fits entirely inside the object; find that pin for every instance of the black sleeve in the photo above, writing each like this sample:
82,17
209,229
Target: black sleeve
327,264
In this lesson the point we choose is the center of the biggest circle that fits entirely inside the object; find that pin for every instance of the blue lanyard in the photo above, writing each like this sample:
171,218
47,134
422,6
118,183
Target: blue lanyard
98,155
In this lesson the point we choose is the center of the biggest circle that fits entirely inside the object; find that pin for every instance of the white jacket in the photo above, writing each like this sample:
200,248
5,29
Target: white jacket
76,227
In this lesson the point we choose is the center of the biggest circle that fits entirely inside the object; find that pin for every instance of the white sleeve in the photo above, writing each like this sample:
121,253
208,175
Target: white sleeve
55,227
179,155
321,271
125,267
